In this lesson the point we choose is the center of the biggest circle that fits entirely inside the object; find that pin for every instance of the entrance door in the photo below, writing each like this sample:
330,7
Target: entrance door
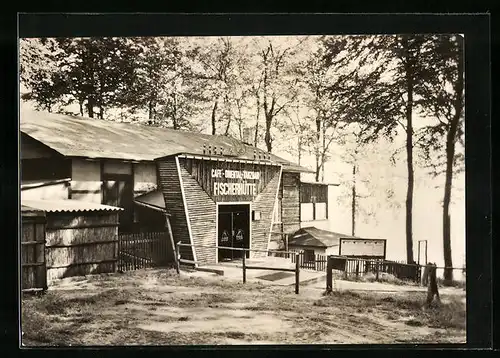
119,191
234,230
225,236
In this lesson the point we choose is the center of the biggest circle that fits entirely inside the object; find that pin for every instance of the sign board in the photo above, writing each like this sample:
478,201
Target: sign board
338,263
230,181
362,247
245,186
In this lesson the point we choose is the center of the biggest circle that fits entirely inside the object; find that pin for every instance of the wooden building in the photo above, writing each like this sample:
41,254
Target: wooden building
216,189
81,238
313,241
33,269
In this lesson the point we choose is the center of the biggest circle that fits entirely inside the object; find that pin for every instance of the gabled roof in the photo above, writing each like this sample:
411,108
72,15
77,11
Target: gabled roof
312,236
94,138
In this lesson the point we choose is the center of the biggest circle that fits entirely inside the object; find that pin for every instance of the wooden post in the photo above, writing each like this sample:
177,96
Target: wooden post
425,275
432,289
178,256
297,270
170,234
357,268
329,275
376,270
244,267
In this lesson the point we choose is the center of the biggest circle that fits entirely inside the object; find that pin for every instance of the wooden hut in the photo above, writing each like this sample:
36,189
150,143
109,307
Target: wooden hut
33,269
81,237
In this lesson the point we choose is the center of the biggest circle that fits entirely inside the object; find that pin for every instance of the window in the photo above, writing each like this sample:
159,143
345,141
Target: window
306,212
309,256
320,211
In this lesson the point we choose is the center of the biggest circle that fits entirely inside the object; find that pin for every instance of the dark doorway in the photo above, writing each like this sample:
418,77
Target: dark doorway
234,230
118,190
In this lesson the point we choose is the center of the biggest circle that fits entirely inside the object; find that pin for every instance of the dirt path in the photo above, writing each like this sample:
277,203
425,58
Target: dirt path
158,307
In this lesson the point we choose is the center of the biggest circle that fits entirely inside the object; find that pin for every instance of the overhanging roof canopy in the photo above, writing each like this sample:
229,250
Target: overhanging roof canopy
95,138
67,205
154,200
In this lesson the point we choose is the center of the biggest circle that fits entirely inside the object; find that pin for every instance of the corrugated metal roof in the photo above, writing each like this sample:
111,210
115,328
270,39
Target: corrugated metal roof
312,236
94,138
67,206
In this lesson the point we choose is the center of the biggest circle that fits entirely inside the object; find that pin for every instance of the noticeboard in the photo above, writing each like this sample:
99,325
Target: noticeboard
370,248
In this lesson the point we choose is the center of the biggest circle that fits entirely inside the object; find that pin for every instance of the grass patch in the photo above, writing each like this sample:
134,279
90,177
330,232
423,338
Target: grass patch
448,315
414,323
453,283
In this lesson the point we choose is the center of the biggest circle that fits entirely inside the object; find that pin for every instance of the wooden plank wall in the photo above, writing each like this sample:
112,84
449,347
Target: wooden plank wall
34,272
202,216
290,202
81,243
265,204
171,188
277,239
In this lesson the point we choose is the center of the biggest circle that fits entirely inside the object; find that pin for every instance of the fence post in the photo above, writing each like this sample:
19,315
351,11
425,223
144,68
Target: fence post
357,268
244,266
177,257
297,269
329,275
377,263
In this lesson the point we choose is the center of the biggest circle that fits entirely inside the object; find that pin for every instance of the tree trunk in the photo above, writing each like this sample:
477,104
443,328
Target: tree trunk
318,168
409,154
150,110
256,137
90,107
226,101
353,209
101,112
318,138
267,138
214,111
80,102
450,156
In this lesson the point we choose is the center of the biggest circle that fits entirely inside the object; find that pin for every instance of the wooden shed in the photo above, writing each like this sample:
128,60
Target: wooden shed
33,269
81,237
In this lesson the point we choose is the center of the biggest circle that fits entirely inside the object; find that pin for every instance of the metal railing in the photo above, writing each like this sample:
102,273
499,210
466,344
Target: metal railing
245,267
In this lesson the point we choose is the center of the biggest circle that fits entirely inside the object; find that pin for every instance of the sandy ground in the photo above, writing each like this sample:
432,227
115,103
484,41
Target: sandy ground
160,308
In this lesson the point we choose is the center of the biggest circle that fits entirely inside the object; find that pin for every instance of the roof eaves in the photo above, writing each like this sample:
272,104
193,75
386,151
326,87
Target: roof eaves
44,183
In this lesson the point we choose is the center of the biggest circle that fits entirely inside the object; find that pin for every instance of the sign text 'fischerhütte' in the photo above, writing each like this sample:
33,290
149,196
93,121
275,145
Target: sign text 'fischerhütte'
236,188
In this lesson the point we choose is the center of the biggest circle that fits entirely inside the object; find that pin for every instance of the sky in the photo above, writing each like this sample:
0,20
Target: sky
388,221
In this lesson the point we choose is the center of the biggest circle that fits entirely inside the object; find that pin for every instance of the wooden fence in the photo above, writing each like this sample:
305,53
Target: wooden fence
318,264
143,250
33,268
358,266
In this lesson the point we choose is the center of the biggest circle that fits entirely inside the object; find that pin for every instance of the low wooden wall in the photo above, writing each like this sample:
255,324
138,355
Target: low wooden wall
34,273
81,243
